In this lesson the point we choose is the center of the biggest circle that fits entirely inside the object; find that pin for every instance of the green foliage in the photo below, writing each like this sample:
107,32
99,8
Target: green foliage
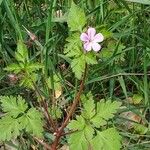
74,47
85,126
113,50
108,139
78,66
104,112
84,133
24,66
18,117
22,53
74,50
9,128
76,18
89,106
125,51
31,122
13,105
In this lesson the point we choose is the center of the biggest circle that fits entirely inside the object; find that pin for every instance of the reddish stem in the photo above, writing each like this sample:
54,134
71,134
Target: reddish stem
73,107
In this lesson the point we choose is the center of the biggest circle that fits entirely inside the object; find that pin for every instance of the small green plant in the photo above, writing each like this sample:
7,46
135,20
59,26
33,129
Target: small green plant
24,66
18,117
92,126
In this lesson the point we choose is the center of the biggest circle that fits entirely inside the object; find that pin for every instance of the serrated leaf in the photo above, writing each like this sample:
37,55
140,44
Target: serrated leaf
104,112
13,67
13,105
77,141
75,52
72,48
31,67
27,81
9,128
108,139
89,106
84,133
22,53
76,18
32,122
77,124
17,118
90,58
78,66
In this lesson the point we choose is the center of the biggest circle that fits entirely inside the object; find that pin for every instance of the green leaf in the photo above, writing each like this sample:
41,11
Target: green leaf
78,66
76,18
84,133
32,122
72,48
9,128
22,53
13,106
108,139
32,67
89,106
90,58
17,118
27,81
77,124
13,68
104,112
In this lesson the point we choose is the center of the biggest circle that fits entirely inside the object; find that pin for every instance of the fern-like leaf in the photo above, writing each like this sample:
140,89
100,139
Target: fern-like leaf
79,140
13,106
104,112
76,18
9,128
108,139
18,117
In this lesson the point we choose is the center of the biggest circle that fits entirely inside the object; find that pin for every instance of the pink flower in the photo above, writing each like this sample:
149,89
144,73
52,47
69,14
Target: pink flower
91,40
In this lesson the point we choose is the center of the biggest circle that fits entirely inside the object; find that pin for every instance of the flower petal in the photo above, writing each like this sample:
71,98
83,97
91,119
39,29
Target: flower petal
91,33
84,37
98,37
96,47
88,46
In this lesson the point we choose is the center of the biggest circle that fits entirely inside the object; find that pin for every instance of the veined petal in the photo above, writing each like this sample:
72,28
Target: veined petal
84,37
96,47
91,33
88,46
98,37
